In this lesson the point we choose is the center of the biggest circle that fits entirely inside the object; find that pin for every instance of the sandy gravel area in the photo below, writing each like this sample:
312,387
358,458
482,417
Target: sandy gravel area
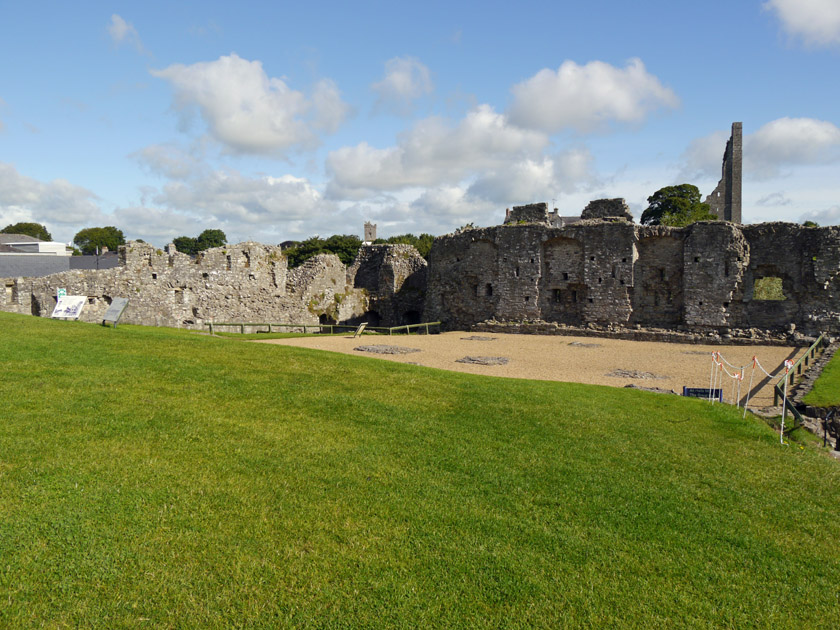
591,360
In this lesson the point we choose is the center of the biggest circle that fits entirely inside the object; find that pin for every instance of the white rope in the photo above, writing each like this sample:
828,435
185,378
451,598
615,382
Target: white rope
749,389
788,366
737,367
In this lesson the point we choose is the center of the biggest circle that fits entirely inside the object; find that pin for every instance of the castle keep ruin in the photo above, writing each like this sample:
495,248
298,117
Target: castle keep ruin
610,271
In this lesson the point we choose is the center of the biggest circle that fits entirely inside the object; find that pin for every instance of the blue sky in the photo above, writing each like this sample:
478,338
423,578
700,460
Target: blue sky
277,121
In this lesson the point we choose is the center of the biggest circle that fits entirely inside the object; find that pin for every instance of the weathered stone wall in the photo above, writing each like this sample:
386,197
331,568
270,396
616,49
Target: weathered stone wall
615,272
248,282
393,277
725,200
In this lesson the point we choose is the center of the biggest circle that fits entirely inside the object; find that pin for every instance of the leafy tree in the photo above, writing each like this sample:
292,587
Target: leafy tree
210,238
185,245
205,240
89,239
35,230
344,246
422,243
811,224
677,206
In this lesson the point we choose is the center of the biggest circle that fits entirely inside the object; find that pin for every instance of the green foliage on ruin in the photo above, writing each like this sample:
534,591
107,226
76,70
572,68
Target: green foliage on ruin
35,230
91,240
205,240
769,288
157,478
811,224
676,206
344,246
422,243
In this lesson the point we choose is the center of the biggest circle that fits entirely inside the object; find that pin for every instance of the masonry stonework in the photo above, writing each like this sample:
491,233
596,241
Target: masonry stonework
725,200
614,272
248,282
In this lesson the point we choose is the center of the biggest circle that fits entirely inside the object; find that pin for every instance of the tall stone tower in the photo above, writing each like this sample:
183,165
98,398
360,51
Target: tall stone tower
725,200
370,232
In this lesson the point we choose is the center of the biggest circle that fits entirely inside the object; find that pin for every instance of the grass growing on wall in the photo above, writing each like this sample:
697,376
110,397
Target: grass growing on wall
157,478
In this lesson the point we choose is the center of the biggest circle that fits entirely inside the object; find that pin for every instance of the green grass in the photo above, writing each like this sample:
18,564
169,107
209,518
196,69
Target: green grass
157,478
826,390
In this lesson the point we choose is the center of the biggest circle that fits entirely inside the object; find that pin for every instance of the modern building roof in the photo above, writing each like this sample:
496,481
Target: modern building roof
18,238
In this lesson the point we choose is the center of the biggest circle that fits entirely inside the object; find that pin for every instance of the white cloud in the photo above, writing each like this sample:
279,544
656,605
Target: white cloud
816,22
431,153
453,203
123,32
780,144
773,200
249,112
330,110
704,157
532,180
167,160
233,198
587,98
58,204
406,79
830,216
790,142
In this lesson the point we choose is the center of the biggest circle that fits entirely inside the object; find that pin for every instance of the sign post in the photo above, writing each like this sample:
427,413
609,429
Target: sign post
703,392
69,307
115,311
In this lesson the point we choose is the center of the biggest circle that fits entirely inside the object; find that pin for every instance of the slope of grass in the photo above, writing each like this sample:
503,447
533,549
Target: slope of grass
154,478
826,390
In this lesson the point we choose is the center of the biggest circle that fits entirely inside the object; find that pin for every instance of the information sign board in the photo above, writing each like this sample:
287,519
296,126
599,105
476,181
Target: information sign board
703,392
115,311
69,307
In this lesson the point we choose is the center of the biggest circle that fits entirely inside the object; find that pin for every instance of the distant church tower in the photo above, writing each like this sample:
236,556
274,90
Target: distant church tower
725,200
370,232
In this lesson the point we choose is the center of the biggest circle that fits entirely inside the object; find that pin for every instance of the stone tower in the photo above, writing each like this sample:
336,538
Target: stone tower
725,200
370,232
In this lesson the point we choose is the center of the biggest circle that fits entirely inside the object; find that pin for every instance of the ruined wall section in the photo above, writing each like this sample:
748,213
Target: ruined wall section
248,282
715,258
725,200
394,277
609,253
658,276
700,277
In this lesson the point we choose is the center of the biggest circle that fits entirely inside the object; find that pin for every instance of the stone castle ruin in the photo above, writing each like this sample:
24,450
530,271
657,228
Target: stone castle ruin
248,282
598,269
606,270
725,200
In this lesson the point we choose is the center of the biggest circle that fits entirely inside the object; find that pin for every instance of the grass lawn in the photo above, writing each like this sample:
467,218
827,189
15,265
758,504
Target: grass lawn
156,478
826,390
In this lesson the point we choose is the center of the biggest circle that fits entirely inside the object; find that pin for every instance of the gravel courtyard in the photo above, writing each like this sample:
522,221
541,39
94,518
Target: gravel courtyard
612,362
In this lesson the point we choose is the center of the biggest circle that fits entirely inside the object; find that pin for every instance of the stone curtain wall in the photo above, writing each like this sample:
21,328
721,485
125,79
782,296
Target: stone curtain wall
700,277
248,282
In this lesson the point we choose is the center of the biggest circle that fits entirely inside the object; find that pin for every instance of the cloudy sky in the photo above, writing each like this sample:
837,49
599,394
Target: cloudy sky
277,121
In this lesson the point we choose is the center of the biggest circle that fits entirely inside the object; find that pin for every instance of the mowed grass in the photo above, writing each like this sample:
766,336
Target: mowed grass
826,390
156,478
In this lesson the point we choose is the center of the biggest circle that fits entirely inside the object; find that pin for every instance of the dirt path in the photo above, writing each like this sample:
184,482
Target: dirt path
591,360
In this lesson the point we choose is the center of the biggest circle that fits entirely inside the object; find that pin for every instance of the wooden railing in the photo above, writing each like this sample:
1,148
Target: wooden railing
322,328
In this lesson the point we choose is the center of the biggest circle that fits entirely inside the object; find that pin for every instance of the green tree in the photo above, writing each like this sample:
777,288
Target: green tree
185,245
677,206
811,224
422,243
344,246
35,230
210,238
91,239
